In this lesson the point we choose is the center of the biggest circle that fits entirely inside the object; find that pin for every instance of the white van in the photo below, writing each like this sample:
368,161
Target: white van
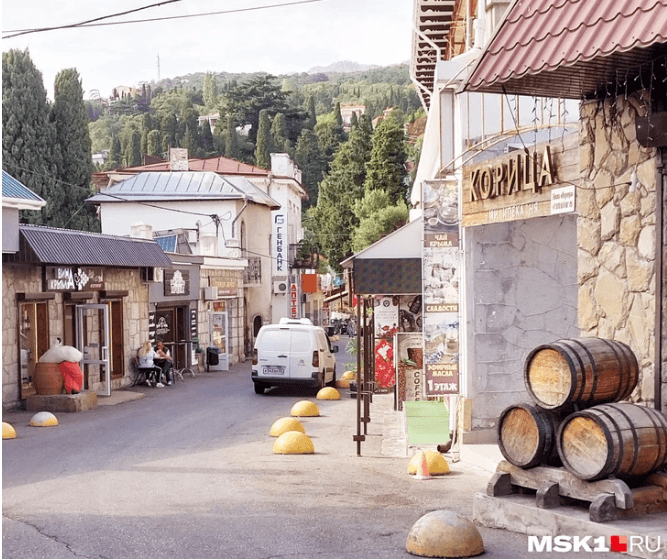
293,352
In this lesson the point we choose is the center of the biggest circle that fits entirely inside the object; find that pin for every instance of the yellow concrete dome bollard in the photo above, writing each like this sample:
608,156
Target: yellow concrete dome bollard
436,463
8,431
286,425
305,408
43,419
444,534
328,394
342,383
293,443
349,375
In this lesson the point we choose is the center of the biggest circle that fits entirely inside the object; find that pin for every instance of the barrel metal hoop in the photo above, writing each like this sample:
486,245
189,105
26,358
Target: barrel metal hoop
624,376
653,416
594,367
602,410
582,368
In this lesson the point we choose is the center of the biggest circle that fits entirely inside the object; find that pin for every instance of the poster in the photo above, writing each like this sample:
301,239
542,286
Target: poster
386,326
441,269
410,313
409,363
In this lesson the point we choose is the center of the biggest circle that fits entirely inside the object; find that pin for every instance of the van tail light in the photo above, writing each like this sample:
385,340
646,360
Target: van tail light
316,359
254,356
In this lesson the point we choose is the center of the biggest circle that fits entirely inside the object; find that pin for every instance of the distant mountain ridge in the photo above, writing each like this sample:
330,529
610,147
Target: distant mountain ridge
342,67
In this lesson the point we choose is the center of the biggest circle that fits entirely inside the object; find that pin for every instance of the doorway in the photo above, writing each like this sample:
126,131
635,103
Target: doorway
33,342
93,329
172,328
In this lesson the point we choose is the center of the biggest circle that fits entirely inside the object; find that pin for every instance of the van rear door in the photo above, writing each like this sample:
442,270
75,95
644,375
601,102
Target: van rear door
301,348
273,353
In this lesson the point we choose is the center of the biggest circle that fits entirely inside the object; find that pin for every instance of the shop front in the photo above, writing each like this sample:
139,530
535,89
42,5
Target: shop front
173,311
98,305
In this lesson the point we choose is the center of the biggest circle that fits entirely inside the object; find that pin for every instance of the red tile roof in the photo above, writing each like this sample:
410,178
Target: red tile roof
569,48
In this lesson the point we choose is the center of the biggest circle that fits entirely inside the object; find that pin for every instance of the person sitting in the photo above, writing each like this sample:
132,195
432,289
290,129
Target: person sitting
163,360
146,361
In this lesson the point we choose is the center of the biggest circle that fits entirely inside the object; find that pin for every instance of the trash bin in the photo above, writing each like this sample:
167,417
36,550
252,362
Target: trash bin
212,356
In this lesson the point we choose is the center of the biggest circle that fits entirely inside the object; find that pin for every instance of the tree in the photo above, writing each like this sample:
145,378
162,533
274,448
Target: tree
115,154
29,148
308,158
210,91
312,114
264,146
154,143
386,168
206,143
279,134
377,217
76,165
132,151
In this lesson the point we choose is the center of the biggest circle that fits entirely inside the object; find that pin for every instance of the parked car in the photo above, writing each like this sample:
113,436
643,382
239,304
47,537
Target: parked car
293,352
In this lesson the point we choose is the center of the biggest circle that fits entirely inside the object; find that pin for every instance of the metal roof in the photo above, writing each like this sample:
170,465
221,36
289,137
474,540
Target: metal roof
46,245
574,48
14,189
183,185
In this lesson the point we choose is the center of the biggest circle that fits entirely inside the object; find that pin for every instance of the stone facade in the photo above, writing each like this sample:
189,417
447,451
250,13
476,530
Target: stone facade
616,203
21,278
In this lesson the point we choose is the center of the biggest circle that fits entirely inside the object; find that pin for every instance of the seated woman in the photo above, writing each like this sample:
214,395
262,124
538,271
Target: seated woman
163,360
146,356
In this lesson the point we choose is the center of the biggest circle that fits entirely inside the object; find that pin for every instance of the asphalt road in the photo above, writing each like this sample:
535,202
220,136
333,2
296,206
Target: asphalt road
189,472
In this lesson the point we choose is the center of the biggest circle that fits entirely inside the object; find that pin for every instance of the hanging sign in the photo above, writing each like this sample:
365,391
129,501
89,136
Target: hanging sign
279,242
74,279
294,300
176,282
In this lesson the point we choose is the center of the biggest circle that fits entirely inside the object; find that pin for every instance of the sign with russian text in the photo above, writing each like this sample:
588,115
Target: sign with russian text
521,184
279,243
440,278
74,279
294,300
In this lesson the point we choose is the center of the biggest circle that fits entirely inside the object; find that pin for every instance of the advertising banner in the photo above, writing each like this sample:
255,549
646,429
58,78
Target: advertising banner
440,274
386,326
409,363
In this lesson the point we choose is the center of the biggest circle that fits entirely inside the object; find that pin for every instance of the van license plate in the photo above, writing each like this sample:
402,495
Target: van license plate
274,370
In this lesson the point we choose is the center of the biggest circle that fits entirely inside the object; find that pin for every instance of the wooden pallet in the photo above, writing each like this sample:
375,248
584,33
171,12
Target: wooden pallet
610,498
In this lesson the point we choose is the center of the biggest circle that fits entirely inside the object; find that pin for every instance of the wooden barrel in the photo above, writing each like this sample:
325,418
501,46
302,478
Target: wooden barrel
48,379
580,371
621,439
527,435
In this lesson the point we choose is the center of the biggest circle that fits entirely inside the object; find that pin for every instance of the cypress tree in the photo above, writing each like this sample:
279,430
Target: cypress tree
115,154
231,139
263,148
76,164
153,144
29,149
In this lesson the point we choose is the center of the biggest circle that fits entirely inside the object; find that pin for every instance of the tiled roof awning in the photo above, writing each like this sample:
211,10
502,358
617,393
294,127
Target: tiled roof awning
45,245
575,48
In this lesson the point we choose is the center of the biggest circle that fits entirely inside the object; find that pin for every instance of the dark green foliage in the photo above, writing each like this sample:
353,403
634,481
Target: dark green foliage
309,159
115,154
28,135
75,166
264,146
386,169
279,134
154,143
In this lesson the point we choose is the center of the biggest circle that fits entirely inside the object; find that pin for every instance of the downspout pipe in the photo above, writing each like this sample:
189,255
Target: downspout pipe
245,205
661,306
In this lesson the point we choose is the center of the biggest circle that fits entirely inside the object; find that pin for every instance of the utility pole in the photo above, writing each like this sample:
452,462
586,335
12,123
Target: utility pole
158,68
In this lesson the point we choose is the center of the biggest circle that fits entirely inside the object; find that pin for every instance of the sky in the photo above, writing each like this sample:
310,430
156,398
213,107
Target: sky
278,40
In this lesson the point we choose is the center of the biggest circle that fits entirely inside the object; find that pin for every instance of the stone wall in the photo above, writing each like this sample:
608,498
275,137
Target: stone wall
522,292
664,284
616,203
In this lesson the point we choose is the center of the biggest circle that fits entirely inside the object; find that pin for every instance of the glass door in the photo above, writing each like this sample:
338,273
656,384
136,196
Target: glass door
92,337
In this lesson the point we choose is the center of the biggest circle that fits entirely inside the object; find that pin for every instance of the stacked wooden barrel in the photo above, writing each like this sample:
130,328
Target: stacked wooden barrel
573,421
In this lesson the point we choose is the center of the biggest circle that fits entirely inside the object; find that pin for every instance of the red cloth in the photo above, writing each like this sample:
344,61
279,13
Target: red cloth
72,375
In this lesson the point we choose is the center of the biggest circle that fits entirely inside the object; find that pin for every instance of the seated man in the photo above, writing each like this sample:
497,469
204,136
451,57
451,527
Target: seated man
163,360
146,361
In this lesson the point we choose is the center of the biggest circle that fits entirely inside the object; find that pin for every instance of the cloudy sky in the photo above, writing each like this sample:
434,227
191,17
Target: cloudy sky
278,40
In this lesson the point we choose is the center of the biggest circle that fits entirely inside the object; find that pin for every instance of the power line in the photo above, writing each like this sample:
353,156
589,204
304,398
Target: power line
18,32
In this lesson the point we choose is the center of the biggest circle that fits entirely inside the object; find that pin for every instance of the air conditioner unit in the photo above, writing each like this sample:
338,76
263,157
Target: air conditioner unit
210,293
280,287
151,274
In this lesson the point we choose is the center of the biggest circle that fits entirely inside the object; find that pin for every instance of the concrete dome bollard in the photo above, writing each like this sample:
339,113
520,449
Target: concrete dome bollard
293,443
328,394
43,419
286,425
305,408
343,383
349,375
444,534
437,464
8,431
